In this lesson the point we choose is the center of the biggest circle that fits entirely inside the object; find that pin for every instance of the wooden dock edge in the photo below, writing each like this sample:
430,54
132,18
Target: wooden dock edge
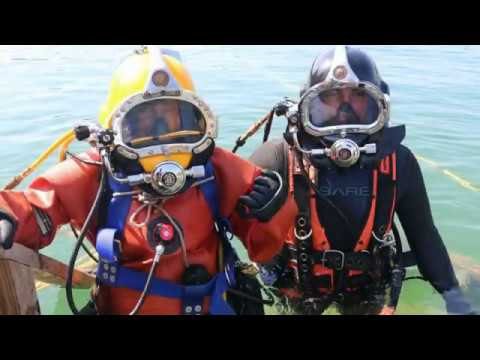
20,267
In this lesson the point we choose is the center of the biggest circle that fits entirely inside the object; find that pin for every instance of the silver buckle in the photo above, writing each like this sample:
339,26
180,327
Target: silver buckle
324,258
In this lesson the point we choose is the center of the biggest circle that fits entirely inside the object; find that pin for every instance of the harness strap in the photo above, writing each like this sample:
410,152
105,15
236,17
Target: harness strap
119,206
351,282
108,247
210,192
363,242
387,197
109,238
303,233
192,296
338,260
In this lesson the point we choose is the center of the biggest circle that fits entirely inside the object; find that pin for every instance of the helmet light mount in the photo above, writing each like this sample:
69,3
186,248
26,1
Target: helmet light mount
160,78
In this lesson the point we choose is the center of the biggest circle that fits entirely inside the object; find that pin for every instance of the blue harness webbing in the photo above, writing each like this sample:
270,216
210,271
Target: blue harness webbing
110,271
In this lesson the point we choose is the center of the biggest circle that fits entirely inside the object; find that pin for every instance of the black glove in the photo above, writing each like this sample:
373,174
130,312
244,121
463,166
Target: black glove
7,231
456,303
267,197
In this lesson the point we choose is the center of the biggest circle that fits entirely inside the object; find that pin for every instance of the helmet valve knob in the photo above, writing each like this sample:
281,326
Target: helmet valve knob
168,178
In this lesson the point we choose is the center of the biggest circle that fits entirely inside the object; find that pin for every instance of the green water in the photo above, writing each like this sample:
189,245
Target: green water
45,90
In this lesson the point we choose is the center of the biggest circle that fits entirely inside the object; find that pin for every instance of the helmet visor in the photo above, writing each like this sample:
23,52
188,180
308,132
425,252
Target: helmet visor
163,122
343,106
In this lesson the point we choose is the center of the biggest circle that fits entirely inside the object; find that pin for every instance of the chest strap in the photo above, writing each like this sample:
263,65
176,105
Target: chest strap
192,296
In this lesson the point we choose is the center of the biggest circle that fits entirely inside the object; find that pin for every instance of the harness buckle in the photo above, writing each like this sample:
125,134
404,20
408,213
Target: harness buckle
335,258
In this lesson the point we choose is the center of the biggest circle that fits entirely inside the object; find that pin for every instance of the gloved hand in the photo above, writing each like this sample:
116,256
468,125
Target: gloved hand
266,198
456,303
7,231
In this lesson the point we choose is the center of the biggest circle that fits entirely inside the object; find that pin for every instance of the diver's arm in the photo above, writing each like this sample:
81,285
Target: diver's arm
415,214
61,195
433,260
270,155
262,238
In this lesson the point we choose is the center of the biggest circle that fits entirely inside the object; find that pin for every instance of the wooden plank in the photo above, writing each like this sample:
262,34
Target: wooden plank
57,272
17,289
47,269
18,268
44,280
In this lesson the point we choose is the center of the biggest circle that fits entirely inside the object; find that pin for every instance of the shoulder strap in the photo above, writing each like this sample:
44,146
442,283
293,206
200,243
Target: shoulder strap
210,191
285,163
211,194
111,231
303,234
118,207
303,227
387,192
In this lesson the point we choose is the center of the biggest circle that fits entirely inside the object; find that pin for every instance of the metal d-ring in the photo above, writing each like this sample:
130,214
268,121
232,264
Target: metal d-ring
302,237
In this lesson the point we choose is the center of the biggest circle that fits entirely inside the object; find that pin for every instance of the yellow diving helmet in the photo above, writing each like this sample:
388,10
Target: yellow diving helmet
154,112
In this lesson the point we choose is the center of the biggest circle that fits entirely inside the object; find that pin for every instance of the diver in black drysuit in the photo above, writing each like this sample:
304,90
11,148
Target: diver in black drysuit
349,190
